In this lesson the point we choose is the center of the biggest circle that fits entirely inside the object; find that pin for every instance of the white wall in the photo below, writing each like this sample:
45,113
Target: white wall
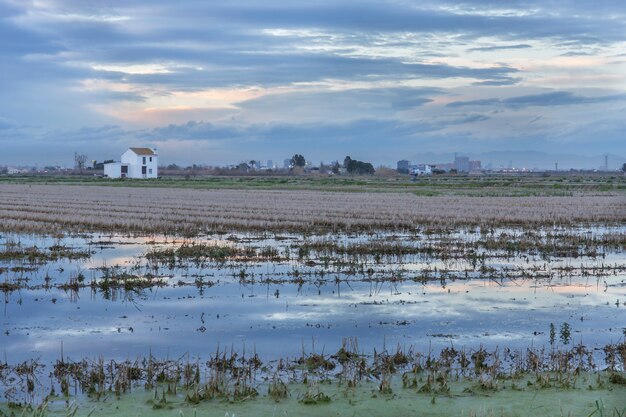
113,170
136,162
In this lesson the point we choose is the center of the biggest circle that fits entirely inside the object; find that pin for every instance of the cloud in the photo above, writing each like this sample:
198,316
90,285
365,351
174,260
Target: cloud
498,48
481,102
556,98
498,83
350,104
270,69
192,130
472,118
398,17
86,135
577,53
376,140
362,74
225,43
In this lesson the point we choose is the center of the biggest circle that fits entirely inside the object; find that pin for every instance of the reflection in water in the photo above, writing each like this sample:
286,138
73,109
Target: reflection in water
277,306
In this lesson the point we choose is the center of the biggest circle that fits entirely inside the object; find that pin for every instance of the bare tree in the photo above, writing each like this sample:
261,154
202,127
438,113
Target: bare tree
79,160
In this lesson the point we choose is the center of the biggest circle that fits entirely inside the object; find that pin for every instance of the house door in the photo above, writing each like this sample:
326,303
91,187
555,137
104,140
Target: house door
143,171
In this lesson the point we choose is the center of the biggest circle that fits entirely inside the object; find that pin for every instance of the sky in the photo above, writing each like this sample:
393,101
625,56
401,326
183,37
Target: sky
219,82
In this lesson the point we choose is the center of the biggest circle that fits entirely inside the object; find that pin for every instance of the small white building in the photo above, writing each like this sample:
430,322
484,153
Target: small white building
422,169
135,163
14,171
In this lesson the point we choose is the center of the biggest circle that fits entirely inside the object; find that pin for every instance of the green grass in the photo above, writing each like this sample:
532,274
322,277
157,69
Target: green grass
462,185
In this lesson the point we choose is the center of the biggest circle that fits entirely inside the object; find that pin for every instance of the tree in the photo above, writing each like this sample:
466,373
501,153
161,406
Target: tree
298,160
100,165
358,167
79,160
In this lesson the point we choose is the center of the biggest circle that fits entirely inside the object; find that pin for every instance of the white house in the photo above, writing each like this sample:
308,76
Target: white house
135,163
422,169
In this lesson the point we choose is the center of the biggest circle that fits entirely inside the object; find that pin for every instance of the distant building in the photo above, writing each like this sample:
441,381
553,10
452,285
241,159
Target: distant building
14,171
475,166
462,164
270,164
444,167
403,166
287,163
135,163
421,169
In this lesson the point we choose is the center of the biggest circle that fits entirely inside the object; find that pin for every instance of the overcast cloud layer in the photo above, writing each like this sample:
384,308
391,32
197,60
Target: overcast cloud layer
221,82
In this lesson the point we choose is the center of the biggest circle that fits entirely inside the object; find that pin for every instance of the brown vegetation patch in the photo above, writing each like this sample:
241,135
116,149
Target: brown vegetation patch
61,208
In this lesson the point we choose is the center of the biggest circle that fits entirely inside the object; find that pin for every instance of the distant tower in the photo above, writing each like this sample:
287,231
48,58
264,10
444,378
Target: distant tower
606,162
556,166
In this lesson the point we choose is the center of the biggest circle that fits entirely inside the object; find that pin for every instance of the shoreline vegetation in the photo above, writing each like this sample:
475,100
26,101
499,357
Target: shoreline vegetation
463,379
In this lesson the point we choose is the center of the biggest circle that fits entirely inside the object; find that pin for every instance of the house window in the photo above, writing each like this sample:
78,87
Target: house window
144,160
124,169
150,171
150,159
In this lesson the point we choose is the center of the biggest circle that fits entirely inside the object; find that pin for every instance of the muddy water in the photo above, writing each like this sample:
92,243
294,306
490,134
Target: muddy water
257,305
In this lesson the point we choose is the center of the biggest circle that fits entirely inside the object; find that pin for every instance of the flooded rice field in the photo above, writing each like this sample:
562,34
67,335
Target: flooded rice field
445,313
130,296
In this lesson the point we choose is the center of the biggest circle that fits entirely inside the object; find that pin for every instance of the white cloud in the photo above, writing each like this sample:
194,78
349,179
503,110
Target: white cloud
280,74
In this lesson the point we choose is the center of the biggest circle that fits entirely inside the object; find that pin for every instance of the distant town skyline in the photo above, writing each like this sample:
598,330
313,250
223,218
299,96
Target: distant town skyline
531,160
220,82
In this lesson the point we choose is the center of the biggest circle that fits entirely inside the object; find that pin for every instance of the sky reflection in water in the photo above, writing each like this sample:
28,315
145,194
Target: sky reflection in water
277,320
